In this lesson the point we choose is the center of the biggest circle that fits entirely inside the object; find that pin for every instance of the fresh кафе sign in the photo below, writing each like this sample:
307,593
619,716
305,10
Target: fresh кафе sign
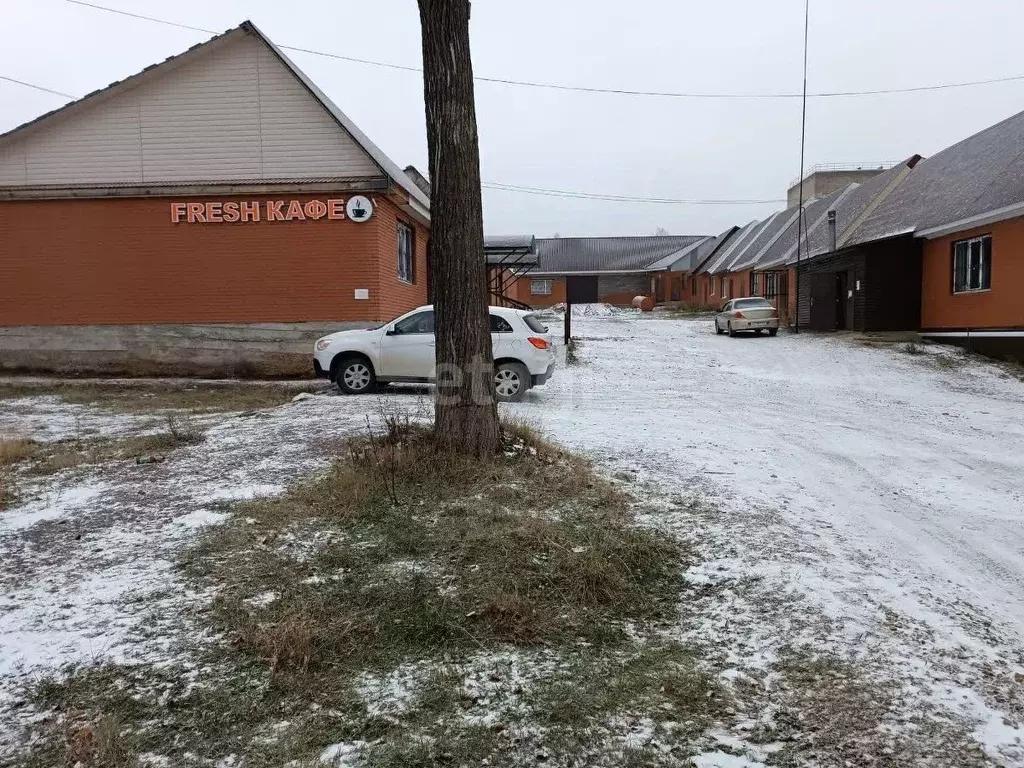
356,208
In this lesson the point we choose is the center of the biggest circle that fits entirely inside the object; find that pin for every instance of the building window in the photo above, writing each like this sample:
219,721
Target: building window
972,264
726,288
714,285
406,253
540,287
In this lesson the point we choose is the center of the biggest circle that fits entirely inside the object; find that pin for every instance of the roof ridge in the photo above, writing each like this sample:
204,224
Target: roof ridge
387,166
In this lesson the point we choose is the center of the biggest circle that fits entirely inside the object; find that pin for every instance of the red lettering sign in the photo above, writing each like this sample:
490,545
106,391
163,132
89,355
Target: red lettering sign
335,209
295,211
232,211
315,209
196,213
274,210
251,211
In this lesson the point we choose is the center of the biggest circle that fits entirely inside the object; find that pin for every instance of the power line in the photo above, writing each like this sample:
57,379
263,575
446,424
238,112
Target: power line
590,89
38,87
621,198
524,189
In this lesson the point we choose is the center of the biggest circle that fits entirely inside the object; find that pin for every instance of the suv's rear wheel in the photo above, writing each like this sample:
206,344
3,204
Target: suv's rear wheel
355,376
511,380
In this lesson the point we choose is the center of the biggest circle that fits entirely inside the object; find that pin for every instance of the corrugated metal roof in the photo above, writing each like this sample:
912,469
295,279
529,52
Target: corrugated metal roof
510,250
783,248
769,235
679,260
608,254
736,247
387,166
976,175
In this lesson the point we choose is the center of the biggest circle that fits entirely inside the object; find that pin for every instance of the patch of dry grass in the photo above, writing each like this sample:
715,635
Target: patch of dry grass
828,707
148,396
404,554
13,450
439,552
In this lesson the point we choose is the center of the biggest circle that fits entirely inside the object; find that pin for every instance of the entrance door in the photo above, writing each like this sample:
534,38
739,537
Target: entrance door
581,289
677,288
841,318
823,301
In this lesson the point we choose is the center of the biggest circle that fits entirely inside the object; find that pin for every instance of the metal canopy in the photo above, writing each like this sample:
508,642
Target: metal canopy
510,251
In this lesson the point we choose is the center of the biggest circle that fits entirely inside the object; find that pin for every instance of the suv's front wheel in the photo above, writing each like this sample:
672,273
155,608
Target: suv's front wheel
355,376
511,380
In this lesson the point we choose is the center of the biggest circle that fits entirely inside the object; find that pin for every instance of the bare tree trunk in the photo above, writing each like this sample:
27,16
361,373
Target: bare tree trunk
465,415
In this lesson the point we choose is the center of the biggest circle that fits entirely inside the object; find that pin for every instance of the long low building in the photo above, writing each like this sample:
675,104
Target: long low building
934,245
212,212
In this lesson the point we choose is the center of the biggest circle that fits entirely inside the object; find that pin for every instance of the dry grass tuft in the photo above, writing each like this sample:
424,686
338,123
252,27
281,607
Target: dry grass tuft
149,396
17,449
99,744
405,555
439,551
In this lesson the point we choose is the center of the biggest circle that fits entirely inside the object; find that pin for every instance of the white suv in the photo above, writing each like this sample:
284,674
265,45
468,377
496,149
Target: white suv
403,350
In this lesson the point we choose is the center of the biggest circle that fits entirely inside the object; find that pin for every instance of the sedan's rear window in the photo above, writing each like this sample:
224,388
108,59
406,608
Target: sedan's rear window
534,324
752,304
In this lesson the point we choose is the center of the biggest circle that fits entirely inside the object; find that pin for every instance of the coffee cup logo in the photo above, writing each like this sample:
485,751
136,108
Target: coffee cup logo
359,208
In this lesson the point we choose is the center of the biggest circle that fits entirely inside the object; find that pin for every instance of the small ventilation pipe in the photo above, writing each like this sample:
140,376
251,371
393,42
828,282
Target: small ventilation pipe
832,230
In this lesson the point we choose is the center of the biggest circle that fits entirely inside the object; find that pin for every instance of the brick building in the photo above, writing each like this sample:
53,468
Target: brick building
613,270
211,211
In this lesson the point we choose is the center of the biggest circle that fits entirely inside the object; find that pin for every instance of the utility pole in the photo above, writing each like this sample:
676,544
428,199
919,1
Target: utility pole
803,140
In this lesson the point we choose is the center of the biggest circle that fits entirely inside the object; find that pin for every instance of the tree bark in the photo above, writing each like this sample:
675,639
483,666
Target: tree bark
465,412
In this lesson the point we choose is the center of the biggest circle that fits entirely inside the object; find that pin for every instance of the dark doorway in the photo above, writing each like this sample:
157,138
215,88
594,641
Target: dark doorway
841,318
581,289
677,288
823,301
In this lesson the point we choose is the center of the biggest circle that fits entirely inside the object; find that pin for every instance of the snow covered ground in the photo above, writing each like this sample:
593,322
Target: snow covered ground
864,501
882,489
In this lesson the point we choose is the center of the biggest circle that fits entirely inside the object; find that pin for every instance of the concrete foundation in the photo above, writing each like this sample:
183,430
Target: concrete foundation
259,350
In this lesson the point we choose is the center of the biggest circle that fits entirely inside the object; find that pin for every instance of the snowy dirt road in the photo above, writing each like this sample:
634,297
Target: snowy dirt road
881,489
861,501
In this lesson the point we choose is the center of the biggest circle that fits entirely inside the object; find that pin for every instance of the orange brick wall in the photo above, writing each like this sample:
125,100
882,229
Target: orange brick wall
1000,307
122,261
400,296
522,292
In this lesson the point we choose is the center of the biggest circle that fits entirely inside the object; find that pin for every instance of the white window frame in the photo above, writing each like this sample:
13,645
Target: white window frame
714,286
406,254
725,288
541,282
964,250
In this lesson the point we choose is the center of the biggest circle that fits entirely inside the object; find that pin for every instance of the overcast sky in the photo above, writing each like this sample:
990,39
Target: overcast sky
624,145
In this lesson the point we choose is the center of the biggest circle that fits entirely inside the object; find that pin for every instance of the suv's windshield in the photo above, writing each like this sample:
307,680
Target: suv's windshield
752,304
534,324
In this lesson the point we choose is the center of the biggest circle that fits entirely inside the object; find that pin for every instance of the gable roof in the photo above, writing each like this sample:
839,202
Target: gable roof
563,255
385,164
739,241
979,175
684,254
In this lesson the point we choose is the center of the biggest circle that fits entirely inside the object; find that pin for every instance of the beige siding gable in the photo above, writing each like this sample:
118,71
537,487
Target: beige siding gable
233,112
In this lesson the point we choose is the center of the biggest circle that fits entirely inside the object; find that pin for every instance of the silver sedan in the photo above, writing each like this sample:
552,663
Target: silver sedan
754,314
